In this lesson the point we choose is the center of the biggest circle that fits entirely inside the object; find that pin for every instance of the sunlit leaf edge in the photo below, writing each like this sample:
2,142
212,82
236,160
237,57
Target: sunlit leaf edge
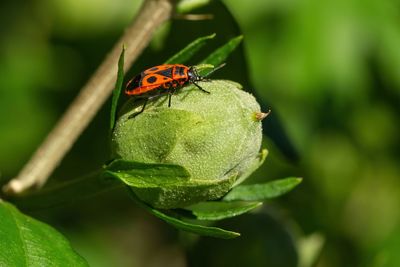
211,210
190,50
118,87
219,55
259,192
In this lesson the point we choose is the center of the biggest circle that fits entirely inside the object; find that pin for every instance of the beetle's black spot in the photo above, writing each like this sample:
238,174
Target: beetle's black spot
165,78
166,72
134,83
151,79
153,69
179,71
182,71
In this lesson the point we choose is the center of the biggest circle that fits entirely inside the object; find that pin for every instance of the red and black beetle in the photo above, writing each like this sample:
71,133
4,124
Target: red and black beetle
163,79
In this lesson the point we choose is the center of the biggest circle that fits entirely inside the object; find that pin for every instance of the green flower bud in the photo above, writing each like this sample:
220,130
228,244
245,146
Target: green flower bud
216,137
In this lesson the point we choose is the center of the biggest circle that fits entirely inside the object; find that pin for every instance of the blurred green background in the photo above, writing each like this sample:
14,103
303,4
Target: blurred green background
329,70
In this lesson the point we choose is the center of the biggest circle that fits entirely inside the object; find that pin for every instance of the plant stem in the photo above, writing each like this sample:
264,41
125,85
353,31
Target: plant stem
91,97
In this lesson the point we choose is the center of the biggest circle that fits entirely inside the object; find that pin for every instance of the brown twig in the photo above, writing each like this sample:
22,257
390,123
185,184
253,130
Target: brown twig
92,96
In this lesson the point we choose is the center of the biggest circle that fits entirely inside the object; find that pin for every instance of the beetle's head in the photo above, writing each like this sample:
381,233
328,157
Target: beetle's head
194,75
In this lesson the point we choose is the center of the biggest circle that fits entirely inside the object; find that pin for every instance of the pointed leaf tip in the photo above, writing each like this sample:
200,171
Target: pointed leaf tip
221,54
118,87
218,210
259,192
190,50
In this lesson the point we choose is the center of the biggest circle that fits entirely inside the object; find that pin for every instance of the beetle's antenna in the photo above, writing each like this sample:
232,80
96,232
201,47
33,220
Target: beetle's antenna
213,70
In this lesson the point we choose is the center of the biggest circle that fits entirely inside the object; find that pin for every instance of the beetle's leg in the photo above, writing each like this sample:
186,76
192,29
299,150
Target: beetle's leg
171,92
137,113
169,99
198,86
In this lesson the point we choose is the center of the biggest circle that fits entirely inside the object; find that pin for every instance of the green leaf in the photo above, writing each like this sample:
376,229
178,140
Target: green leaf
258,192
185,226
217,210
166,185
140,174
219,56
118,88
25,241
191,49
182,194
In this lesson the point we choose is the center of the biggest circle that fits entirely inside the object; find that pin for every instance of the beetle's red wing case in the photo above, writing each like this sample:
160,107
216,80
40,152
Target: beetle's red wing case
158,69
141,90
162,79
155,79
147,81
